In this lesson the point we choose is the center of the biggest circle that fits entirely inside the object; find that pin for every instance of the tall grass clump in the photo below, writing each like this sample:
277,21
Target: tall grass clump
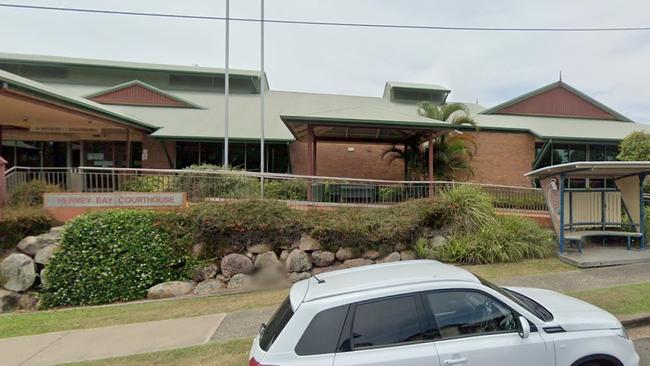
466,208
509,239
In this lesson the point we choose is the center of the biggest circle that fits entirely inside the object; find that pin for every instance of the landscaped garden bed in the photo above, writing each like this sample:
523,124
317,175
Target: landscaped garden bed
124,255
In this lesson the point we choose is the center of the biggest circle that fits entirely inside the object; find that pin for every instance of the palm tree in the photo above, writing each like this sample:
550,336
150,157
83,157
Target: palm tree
453,151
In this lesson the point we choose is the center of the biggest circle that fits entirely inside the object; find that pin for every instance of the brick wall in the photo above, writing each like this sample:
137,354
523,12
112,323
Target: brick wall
334,160
503,158
157,159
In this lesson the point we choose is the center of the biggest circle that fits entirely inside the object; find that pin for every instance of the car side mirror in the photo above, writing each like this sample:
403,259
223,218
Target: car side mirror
524,328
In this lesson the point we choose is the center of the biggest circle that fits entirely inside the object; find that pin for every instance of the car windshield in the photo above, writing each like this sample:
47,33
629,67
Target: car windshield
521,300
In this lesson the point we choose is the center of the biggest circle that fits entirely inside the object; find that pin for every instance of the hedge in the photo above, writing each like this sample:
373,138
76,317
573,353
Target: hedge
19,222
112,256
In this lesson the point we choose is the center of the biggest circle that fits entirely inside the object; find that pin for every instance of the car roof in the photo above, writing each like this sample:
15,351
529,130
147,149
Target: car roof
377,276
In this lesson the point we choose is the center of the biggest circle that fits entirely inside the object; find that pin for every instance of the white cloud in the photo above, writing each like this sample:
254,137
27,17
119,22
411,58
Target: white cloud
491,67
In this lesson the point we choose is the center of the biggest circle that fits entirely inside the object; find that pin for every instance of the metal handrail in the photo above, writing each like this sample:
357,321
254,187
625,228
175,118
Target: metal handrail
299,176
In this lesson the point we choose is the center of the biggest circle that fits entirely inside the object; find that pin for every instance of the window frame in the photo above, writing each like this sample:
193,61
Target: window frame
416,296
431,315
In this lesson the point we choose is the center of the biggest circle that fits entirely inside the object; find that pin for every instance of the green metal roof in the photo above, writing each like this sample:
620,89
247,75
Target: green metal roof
20,83
74,61
208,123
363,122
560,128
553,85
417,86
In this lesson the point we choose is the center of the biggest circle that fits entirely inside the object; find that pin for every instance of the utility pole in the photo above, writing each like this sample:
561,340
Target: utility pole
262,86
227,87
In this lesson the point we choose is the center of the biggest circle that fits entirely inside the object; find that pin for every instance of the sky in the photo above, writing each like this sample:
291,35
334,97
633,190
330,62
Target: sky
490,67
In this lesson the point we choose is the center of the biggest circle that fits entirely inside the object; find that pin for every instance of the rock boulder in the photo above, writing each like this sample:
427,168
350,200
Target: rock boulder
17,272
392,257
233,264
170,289
344,254
44,255
298,261
267,260
30,245
298,276
8,300
322,258
357,262
208,287
206,272
308,244
240,281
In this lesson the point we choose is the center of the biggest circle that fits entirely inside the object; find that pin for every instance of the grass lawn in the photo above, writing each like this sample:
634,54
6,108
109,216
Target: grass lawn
523,268
20,324
232,353
619,300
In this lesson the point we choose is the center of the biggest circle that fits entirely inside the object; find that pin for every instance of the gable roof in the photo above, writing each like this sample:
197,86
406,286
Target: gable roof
537,103
136,93
15,82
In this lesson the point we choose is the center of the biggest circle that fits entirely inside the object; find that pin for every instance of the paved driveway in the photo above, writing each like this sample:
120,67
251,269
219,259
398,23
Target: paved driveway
643,348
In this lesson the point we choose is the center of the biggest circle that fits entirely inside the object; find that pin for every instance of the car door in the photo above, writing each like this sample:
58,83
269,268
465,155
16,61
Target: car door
387,332
476,329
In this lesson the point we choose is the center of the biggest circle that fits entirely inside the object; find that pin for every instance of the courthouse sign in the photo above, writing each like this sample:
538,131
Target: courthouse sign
65,206
114,199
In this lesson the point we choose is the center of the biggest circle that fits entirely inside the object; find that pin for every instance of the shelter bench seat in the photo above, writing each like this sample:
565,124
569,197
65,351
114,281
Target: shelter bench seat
579,236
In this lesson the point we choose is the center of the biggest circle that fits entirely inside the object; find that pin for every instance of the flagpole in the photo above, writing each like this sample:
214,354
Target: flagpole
262,89
227,88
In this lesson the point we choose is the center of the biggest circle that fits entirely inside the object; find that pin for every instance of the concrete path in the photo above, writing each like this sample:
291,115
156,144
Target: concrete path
242,324
113,341
585,279
123,340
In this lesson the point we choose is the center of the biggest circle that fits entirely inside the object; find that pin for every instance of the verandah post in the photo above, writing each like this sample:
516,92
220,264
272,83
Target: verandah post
641,212
3,183
431,193
310,162
561,226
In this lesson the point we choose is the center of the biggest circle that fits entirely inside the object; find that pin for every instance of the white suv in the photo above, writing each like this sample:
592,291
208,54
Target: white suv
417,313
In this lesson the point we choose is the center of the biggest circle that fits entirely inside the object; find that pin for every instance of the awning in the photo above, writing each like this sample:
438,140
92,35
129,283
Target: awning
363,124
593,169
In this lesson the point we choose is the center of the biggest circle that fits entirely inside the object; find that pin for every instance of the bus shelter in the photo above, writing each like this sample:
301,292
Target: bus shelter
579,209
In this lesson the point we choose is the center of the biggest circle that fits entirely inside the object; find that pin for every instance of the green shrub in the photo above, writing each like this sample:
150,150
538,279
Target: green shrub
520,202
150,183
285,190
466,208
372,228
635,147
199,185
510,239
231,226
31,193
112,256
400,193
19,222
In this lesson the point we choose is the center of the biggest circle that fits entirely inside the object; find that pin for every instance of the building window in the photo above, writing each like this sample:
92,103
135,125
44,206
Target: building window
567,153
245,156
603,152
187,153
